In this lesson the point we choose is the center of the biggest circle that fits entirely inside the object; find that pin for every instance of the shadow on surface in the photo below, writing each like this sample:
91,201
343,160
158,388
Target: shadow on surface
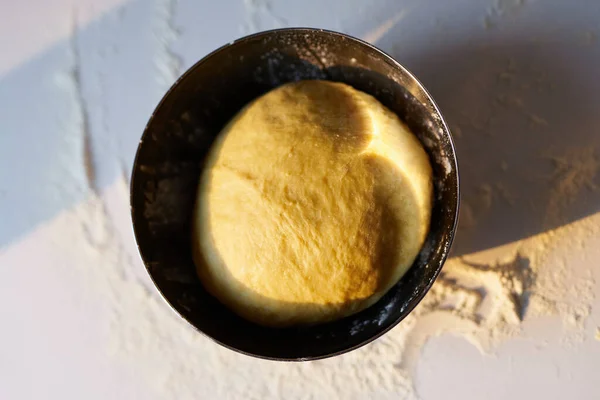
524,115
74,113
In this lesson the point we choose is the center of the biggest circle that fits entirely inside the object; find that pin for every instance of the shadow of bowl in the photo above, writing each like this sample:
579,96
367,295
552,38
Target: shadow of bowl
524,115
179,135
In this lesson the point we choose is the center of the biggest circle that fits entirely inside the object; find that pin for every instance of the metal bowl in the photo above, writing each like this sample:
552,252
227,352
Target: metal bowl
179,134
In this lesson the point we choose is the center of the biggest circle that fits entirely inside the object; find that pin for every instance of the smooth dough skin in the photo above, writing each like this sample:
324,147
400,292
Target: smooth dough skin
315,200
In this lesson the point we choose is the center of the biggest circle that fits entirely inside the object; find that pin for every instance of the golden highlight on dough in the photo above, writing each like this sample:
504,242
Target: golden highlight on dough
314,202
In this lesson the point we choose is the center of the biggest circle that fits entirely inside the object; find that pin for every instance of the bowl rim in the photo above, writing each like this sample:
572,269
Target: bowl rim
447,133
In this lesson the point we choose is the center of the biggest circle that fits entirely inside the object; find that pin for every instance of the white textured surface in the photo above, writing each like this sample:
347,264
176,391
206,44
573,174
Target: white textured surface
516,79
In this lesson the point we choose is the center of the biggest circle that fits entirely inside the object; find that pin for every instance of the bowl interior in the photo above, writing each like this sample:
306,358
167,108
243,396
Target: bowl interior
180,133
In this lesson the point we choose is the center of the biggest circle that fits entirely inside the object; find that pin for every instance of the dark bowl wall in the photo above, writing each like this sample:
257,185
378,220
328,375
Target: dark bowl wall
180,133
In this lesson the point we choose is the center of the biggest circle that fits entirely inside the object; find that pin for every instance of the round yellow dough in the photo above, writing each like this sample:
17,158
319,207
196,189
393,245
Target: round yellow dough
314,202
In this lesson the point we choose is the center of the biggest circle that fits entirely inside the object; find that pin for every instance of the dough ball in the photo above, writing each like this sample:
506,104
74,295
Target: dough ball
314,202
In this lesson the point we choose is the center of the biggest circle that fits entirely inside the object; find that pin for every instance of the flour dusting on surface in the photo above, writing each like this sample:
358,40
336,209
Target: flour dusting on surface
167,62
380,31
488,295
256,12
